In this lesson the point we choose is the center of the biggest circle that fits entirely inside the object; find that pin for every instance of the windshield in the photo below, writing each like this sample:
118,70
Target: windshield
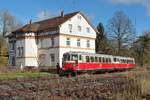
74,57
66,57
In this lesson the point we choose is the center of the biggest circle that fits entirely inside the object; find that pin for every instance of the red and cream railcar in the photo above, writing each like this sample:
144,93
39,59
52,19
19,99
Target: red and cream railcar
80,61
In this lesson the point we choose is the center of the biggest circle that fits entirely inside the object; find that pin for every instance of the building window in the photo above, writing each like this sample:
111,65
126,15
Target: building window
20,51
79,28
79,17
78,43
88,43
68,42
13,45
52,56
41,43
52,41
70,27
88,30
13,63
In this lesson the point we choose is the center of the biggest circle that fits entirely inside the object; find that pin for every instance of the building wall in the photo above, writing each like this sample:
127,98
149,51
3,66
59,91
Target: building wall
75,22
31,55
46,61
47,51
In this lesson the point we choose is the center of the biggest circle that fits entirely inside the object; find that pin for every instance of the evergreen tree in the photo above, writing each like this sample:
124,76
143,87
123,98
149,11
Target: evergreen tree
102,43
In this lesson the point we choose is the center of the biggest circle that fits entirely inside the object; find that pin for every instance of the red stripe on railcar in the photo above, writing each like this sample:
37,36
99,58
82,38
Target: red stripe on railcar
95,66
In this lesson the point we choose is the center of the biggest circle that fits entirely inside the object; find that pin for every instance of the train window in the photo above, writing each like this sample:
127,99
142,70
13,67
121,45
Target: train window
74,57
87,59
127,61
96,59
92,59
123,61
80,57
109,60
115,59
66,57
100,59
106,60
103,59
132,61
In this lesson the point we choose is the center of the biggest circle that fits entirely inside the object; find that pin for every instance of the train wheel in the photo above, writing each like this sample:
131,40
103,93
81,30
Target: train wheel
74,73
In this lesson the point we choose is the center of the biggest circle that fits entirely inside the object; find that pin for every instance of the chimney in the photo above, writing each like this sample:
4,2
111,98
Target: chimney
62,13
30,22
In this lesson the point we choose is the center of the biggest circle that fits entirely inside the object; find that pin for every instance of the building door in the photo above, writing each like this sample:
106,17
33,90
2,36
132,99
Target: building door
52,60
13,61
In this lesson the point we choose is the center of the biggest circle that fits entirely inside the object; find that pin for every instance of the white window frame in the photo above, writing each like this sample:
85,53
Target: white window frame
20,51
79,17
68,42
70,28
52,42
79,28
52,56
78,42
88,44
88,30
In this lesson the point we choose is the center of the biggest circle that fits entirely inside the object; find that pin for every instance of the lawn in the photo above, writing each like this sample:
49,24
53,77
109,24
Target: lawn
19,74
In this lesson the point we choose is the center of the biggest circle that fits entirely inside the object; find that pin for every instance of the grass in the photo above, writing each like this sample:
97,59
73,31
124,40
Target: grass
141,82
19,74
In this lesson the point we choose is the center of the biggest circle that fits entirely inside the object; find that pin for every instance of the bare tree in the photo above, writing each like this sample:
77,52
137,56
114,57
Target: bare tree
121,31
8,22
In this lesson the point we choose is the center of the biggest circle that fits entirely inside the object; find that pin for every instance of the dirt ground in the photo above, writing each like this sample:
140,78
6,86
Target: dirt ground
86,87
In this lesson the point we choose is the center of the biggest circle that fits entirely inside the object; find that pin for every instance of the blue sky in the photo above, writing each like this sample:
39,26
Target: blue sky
96,10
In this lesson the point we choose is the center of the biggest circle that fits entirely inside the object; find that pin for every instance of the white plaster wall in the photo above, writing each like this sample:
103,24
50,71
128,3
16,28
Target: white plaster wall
31,51
73,42
20,62
47,42
31,62
75,22
46,62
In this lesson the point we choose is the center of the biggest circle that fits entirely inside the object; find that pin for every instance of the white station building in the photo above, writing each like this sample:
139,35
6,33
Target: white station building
43,43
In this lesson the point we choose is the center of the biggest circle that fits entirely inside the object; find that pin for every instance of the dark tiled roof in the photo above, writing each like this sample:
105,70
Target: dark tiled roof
45,24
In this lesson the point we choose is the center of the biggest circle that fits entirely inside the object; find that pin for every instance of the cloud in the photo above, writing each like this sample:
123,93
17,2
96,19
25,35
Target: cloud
145,3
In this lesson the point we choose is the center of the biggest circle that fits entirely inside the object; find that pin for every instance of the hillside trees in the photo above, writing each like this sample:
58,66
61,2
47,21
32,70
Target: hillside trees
3,51
121,32
142,49
8,23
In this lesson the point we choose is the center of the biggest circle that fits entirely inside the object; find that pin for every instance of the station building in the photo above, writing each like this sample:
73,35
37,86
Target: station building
43,43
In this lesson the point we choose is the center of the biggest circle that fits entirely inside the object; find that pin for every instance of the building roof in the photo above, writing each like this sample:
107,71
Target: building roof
48,23
45,24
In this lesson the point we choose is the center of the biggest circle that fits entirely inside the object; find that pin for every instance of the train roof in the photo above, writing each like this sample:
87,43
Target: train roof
103,55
